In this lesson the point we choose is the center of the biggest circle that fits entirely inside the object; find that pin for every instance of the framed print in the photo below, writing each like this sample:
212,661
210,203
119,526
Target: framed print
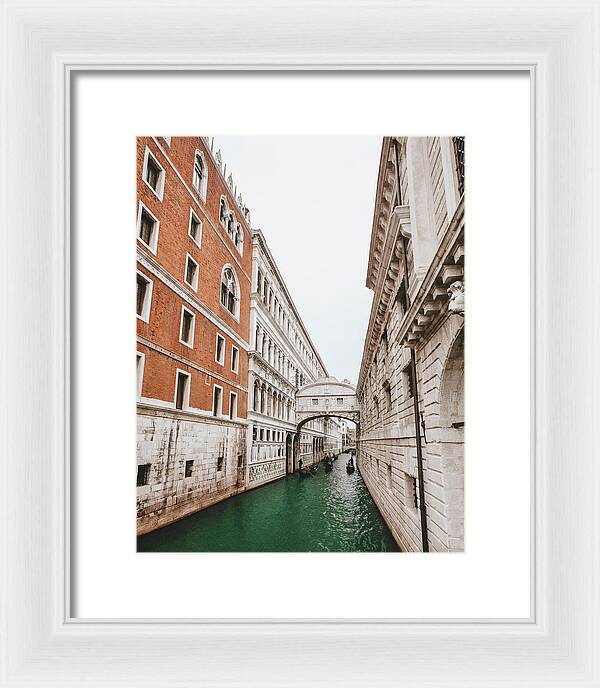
337,480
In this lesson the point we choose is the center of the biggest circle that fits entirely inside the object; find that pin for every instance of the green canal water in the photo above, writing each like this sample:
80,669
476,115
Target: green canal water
328,512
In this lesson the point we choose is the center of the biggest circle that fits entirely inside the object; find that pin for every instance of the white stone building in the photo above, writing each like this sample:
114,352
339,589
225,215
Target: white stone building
282,358
410,387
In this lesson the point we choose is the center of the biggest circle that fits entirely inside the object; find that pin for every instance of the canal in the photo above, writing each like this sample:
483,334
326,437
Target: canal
328,512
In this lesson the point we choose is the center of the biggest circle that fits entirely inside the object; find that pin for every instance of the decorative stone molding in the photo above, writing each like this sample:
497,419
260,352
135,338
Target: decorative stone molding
456,292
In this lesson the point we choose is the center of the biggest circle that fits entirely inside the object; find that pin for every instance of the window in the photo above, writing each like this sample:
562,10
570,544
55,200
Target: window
459,155
376,407
200,177
315,402
191,272
388,394
232,405
220,350
229,291
410,492
235,359
254,433
144,297
139,362
238,238
223,212
153,174
259,280
143,474
340,401
195,228
189,467
186,330
389,476
219,464
217,409
401,299
182,390
408,382
147,228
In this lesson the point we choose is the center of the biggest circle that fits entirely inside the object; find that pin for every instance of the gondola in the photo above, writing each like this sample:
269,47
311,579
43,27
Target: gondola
350,466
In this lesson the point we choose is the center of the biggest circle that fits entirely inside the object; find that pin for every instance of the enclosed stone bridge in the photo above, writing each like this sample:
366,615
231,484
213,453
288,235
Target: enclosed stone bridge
324,398
327,398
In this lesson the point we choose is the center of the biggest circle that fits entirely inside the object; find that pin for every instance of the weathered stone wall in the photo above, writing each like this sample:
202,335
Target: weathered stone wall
167,440
387,448
418,229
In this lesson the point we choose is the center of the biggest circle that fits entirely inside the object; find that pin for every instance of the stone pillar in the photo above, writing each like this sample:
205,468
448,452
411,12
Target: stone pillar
422,212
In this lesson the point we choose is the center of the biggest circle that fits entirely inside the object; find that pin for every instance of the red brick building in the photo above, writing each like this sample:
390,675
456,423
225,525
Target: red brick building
194,267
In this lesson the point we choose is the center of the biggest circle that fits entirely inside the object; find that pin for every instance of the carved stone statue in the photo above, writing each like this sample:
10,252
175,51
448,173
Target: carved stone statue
456,292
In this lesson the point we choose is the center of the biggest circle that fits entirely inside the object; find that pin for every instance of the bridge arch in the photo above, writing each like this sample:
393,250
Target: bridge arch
325,398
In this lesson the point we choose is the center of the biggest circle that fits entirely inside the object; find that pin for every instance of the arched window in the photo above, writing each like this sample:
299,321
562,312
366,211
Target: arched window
200,174
223,212
229,291
256,404
238,238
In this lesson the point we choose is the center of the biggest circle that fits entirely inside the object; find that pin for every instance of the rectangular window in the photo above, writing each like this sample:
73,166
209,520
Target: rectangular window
410,492
195,228
232,405
147,228
143,474
153,174
191,272
140,359
186,330
235,359
315,402
340,401
388,394
144,297
189,467
408,381
220,350
219,464
401,299
217,400
182,392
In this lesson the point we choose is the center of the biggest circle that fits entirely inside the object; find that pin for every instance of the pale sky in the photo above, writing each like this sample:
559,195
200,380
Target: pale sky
313,198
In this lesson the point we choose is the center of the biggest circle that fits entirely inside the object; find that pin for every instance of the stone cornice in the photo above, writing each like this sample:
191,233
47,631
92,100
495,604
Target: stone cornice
445,268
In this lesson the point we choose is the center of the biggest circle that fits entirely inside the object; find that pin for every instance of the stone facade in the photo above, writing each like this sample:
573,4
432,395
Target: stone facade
282,357
419,308
194,265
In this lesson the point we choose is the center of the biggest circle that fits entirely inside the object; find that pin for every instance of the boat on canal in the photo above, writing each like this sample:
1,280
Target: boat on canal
350,466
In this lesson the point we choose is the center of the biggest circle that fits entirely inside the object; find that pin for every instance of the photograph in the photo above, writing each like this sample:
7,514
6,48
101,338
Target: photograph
300,343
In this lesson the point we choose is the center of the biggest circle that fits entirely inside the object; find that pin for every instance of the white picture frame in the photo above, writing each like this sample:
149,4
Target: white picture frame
45,43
